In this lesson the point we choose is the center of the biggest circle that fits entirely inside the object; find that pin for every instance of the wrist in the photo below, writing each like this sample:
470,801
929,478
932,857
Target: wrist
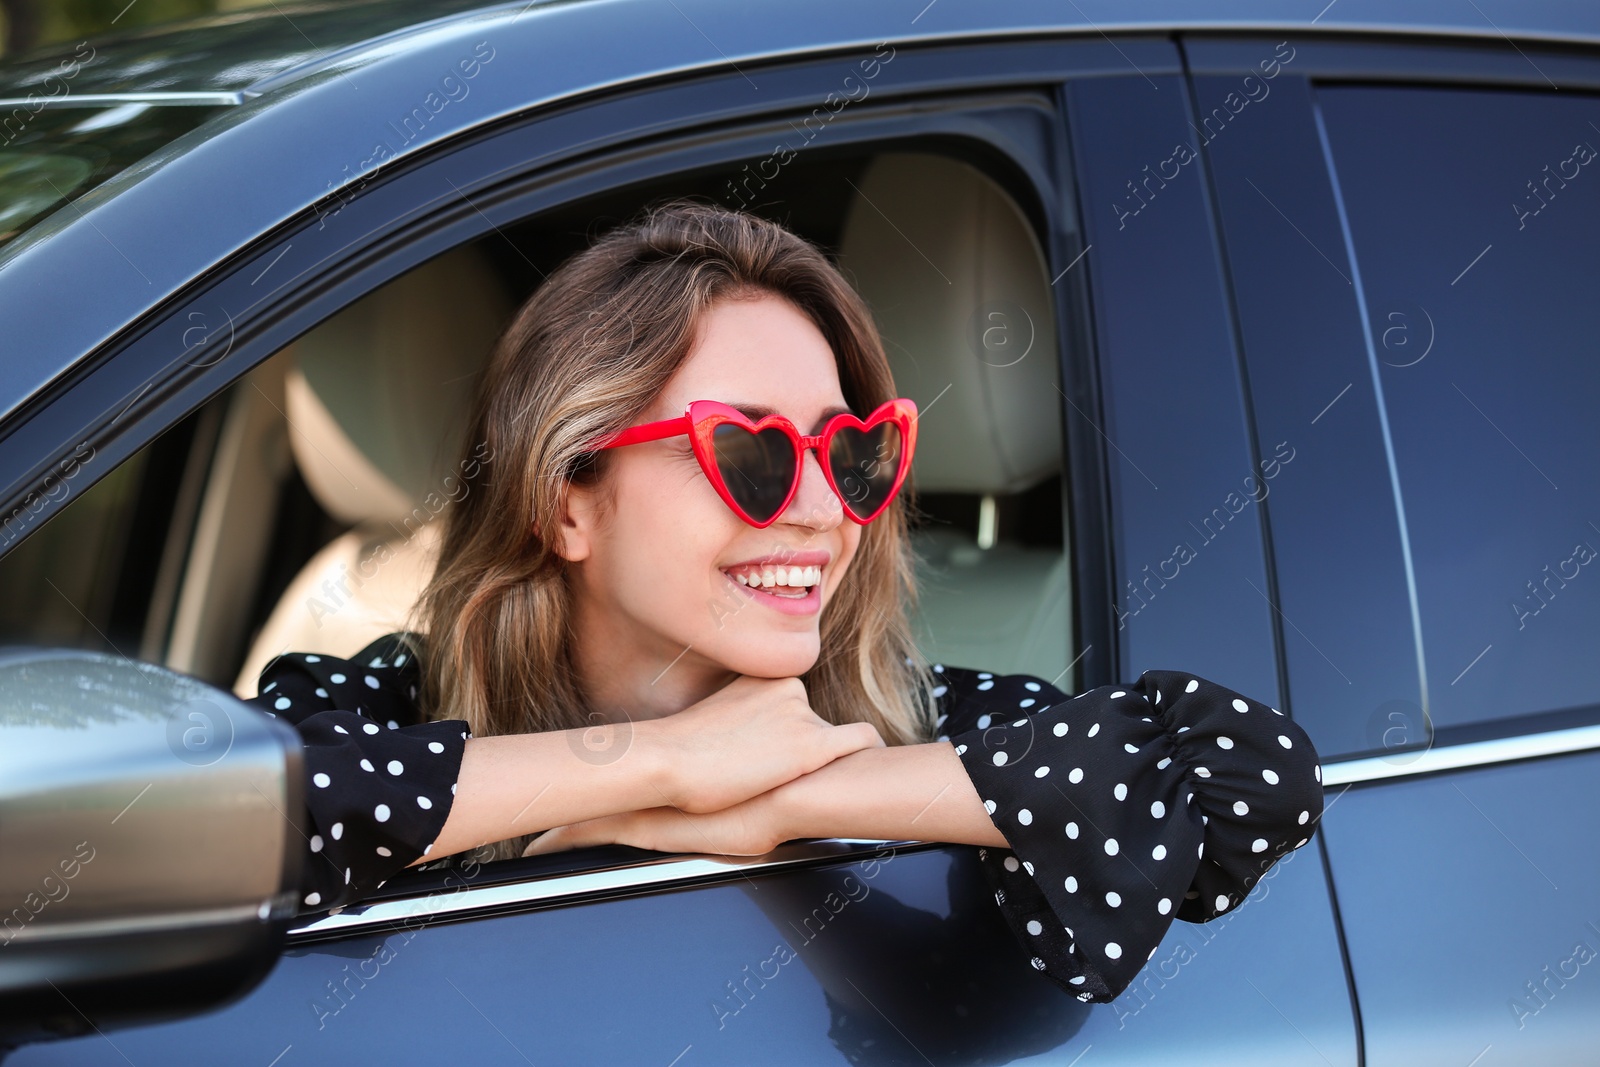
659,780
782,810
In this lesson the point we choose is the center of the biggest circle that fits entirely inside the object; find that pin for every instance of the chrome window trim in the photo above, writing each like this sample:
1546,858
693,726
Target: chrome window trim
651,873
172,99
1403,764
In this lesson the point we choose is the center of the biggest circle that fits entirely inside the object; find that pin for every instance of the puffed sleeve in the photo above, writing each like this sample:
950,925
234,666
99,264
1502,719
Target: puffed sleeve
379,781
1125,807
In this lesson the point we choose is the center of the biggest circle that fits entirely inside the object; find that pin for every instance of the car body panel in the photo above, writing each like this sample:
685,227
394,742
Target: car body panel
897,958
1470,913
1336,534
1188,545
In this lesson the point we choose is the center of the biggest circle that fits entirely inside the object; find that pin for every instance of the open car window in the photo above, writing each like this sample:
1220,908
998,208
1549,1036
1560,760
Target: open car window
301,509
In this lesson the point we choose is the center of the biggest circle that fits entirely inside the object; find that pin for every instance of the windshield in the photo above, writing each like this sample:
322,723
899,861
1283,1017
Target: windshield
57,142
51,154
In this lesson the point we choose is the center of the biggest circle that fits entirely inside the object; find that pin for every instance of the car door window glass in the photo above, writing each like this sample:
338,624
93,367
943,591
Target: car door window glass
1474,260
93,576
297,512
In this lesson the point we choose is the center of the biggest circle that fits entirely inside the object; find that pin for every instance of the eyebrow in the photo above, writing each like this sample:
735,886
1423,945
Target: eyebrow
757,411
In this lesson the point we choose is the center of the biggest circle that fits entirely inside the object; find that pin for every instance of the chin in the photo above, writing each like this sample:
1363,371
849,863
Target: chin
771,655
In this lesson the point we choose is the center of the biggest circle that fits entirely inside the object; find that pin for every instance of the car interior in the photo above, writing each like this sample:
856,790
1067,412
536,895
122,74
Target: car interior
299,510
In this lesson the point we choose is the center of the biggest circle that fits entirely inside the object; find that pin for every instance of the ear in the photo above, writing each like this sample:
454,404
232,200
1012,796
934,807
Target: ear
574,535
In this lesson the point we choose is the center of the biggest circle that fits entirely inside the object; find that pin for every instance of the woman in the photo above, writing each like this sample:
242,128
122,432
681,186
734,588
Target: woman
723,602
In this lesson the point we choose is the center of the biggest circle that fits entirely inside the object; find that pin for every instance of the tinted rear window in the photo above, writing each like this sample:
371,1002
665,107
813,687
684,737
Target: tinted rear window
1475,216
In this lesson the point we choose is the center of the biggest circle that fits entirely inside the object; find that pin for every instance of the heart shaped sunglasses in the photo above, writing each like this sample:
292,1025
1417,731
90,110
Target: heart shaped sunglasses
755,466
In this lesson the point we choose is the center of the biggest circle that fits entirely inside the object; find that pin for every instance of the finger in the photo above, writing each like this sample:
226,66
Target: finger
840,741
563,839
549,841
856,736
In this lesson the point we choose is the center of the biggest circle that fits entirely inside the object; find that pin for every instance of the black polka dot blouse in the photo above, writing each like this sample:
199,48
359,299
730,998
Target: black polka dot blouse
379,781
1123,808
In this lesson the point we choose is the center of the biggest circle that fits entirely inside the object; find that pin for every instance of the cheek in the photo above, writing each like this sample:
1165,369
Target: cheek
667,531
850,546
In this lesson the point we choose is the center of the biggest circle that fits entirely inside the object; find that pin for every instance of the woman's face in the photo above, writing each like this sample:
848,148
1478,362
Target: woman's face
656,575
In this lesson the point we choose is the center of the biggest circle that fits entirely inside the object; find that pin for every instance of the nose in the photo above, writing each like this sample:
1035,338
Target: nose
815,505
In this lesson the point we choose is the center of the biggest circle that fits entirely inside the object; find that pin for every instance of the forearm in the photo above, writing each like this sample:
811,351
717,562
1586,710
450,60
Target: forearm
517,783
910,792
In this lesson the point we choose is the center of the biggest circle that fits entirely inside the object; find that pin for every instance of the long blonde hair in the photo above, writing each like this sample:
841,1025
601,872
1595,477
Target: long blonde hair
585,356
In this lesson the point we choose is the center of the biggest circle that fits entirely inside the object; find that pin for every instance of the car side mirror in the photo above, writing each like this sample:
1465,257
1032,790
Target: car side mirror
149,843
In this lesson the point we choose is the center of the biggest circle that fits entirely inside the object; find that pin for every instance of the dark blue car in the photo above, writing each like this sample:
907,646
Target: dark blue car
1261,341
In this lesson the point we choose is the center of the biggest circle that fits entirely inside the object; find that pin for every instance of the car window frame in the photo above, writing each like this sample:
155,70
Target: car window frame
125,396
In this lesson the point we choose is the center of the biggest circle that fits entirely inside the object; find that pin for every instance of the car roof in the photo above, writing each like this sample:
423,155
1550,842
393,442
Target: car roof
245,53
305,84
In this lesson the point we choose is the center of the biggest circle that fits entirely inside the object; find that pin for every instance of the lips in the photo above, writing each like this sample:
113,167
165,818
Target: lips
787,579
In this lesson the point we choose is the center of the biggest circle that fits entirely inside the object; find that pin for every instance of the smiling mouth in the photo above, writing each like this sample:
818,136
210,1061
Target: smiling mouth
792,583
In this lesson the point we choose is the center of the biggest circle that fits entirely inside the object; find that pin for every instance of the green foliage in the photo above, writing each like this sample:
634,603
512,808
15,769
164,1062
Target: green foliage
26,24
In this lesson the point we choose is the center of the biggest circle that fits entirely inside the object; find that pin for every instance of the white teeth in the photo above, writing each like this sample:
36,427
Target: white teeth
779,576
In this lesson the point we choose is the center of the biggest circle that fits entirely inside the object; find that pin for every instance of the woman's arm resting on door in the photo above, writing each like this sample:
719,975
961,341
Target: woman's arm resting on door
738,743
910,792
518,783
907,792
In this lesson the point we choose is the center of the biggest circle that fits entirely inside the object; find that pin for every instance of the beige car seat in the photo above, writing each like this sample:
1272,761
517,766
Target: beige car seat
961,293
377,399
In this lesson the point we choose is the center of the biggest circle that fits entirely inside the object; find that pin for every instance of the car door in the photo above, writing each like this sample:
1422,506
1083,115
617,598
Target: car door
1188,535
1410,234
825,951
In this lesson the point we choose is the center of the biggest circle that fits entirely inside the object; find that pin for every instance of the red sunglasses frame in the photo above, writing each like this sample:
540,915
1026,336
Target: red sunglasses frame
702,417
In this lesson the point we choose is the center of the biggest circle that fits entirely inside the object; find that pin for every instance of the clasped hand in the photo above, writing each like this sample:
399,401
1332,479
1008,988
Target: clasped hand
717,767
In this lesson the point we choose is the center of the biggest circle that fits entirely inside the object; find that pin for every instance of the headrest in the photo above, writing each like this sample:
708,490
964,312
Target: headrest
960,291
379,394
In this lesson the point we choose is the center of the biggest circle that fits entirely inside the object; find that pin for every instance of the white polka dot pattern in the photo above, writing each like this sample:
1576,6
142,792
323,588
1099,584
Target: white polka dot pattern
380,794
1176,789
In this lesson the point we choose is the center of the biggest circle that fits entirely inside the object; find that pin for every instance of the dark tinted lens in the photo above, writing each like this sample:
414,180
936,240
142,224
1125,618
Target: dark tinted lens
757,468
864,465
